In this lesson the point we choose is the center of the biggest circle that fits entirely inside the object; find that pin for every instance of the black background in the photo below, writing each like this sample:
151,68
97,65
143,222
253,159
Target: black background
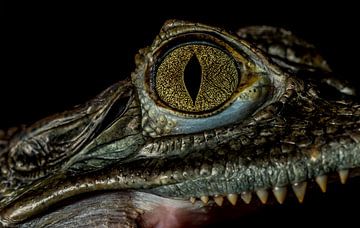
58,55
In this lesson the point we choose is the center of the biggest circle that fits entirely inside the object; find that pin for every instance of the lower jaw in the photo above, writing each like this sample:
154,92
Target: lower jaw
339,203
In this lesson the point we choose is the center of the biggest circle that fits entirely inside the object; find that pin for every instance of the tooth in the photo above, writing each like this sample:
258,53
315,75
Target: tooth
300,190
280,194
322,182
263,195
219,200
246,196
232,198
192,200
344,174
205,199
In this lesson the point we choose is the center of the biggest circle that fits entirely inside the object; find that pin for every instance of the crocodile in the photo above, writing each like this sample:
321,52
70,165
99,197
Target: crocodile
207,115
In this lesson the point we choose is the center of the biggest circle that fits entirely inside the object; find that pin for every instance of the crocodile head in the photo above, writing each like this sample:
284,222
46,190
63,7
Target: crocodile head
206,116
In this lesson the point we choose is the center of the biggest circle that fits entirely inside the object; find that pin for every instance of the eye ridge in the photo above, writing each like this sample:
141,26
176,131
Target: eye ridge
192,77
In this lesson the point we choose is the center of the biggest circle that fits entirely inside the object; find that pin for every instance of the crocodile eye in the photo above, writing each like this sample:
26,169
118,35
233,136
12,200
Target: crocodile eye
196,78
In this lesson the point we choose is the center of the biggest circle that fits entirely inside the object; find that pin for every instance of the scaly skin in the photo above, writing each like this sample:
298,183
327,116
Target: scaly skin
128,140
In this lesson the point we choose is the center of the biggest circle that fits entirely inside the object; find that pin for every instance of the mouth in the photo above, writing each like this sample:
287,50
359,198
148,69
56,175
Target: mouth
209,202
225,201
107,207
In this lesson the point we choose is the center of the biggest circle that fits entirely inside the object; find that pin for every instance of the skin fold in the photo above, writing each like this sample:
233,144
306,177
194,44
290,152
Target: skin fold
207,118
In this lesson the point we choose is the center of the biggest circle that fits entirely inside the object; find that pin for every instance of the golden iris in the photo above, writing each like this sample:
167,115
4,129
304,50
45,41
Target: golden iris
196,78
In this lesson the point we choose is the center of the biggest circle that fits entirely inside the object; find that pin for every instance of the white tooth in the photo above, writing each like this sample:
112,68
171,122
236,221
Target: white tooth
322,182
205,199
219,200
192,200
232,198
280,194
344,174
246,196
300,190
263,195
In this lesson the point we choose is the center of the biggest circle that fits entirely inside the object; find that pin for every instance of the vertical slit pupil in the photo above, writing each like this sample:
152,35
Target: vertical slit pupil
192,77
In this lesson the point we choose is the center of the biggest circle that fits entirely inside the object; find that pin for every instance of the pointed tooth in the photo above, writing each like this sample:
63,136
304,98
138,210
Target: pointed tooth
204,199
263,195
322,182
219,200
344,174
280,194
192,200
246,197
300,190
232,198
